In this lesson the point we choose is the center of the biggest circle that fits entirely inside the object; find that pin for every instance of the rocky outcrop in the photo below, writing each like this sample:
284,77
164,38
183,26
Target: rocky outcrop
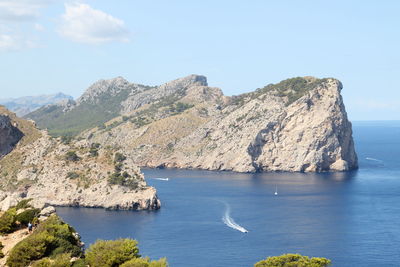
72,173
9,135
298,125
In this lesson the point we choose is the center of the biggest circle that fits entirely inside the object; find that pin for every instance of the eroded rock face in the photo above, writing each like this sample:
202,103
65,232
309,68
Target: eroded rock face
9,135
267,131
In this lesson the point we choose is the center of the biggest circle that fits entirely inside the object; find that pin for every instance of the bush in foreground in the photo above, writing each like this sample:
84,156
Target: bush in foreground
52,237
145,262
11,220
8,220
112,253
293,260
121,252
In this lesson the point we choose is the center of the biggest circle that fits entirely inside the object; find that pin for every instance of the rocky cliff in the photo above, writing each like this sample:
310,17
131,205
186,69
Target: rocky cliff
9,135
299,124
64,172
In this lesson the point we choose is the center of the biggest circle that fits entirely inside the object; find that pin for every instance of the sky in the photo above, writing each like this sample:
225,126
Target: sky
50,46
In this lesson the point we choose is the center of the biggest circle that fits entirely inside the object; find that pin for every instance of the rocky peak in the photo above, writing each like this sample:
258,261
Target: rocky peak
182,83
67,104
111,86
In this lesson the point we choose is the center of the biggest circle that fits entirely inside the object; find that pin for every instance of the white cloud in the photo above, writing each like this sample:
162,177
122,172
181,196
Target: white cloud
39,27
10,42
17,19
81,23
21,10
7,42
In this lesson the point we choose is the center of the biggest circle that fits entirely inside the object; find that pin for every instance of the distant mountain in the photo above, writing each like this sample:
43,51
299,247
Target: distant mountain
299,124
24,105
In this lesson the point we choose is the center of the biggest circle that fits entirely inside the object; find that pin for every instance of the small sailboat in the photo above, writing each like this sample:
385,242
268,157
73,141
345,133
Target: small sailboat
276,190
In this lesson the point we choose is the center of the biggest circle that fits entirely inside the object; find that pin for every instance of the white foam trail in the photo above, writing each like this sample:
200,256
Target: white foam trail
377,160
161,179
227,219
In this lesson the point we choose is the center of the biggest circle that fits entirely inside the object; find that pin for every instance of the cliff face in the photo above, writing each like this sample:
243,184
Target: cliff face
299,124
9,135
71,173
311,134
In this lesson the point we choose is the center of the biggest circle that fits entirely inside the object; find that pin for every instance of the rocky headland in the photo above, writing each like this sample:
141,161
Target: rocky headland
297,125
64,172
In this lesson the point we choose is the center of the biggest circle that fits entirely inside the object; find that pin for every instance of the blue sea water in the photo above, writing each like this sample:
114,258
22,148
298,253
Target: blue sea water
351,218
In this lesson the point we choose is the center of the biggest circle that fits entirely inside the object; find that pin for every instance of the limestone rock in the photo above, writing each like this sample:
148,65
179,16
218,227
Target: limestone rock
298,125
47,211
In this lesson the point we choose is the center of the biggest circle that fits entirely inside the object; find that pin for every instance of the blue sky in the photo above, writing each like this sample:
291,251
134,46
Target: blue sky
48,46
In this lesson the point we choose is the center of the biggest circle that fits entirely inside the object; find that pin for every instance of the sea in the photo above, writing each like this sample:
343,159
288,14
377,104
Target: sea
212,218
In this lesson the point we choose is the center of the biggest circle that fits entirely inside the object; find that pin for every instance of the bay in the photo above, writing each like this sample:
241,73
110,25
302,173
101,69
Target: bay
351,218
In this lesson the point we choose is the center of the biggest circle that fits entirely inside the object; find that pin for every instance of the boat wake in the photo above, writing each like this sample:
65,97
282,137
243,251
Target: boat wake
161,179
372,159
227,219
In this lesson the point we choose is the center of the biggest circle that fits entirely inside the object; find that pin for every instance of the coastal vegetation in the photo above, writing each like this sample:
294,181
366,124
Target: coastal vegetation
293,260
292,89
119,177
56,244
51,239
18,216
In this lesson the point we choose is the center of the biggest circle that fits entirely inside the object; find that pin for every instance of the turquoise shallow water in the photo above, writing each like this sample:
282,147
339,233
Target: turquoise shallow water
352,218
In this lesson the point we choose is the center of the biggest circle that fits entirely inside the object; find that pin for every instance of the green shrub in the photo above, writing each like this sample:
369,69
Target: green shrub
72,175
118,167
145,262
61,260
94,150
66,139
53,237
112,253
123,179
45,262
30,249
7,221
23,204
293,260
119,157
71,156
79,263
179,107
27,216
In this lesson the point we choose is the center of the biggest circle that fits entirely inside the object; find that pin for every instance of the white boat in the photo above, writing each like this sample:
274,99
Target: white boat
276,190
